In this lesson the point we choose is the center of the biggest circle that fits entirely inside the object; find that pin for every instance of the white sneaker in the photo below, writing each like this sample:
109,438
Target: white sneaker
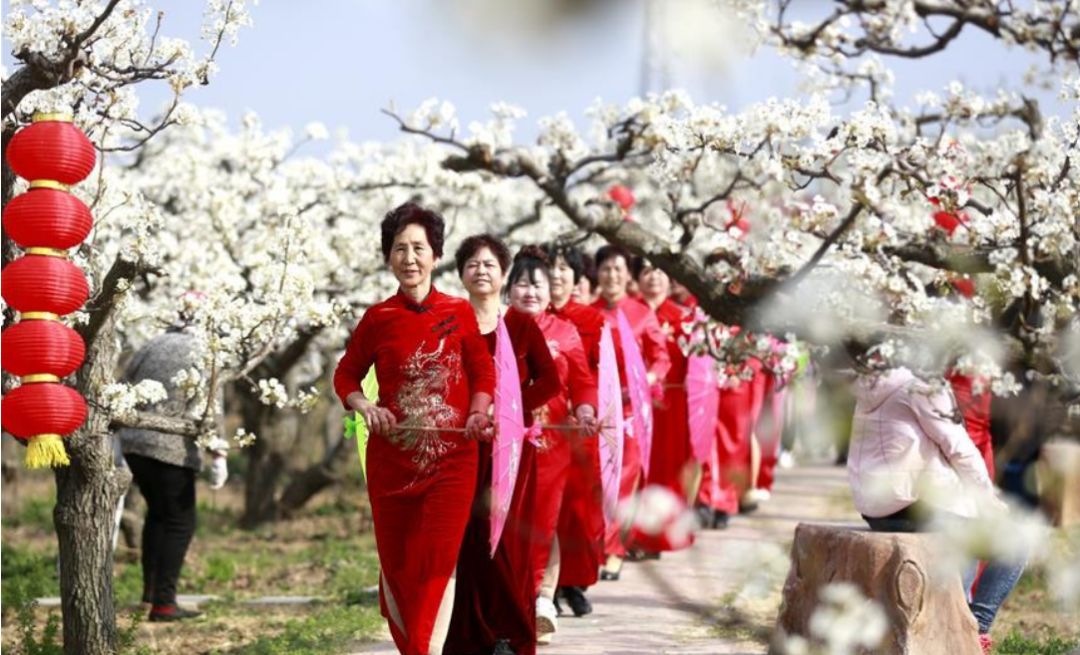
547,621
756,496
787,460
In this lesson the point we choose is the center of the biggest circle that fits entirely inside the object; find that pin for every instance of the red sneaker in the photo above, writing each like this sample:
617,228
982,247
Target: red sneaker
986,643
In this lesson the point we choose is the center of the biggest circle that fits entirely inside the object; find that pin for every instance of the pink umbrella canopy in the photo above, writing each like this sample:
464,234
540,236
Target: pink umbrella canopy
609,399
637,387
702,403
509,432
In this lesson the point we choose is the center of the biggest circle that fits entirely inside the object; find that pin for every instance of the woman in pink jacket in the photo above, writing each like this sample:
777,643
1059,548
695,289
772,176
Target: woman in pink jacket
911,460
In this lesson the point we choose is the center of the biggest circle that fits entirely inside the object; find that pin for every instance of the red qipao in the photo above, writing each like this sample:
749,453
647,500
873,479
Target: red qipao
653,345
740,407
672,461
577,387
581,518
495,597
429,359
975,408
770,429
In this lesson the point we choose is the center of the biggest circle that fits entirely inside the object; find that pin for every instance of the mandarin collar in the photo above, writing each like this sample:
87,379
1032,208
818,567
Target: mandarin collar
424,305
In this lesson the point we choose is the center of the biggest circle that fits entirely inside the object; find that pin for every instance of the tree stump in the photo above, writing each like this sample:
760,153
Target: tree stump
1059,482
926,609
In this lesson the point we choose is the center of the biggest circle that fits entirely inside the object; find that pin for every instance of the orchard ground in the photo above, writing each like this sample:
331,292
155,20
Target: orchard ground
688,602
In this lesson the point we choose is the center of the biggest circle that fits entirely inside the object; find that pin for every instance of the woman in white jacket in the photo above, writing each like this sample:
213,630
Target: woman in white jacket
911,460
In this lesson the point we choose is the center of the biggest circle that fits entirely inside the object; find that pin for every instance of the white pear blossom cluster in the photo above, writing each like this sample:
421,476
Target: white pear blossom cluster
124,399
126,49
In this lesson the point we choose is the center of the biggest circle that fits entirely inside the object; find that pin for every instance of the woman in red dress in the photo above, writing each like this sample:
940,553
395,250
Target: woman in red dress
581,519
739,408
530,294
434,371
495,605
613,276
672,465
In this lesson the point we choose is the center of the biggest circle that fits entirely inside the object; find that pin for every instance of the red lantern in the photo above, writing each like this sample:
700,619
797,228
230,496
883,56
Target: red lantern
36,347
43,408
47,218
39,283
51,148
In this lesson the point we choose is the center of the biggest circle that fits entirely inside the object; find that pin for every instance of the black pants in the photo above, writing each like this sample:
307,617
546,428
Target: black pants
170,523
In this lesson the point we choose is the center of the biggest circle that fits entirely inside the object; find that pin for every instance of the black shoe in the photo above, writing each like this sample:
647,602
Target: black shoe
642,555
609,575
502,647
720,520
704,516
558,595
575,598
170,613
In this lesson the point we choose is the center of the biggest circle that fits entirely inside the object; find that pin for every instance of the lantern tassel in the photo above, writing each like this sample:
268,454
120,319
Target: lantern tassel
46,451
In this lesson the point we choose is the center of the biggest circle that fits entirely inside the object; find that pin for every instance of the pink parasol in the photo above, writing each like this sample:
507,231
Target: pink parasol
702,403
509,432
637,387
610,413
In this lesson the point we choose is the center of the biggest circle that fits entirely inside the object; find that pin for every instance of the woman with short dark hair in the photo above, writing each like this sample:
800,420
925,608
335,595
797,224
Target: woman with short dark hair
581,520
495,606
436,382
529,293
613,277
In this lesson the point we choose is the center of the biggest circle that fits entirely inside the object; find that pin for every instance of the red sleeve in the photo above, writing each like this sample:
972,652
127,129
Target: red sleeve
654,348
580,379
479,366
356,361
544,375
590,340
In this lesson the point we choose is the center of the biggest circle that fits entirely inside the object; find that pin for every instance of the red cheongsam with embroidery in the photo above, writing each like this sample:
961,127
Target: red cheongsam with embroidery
672,462
577,387
429,359
740,407
581,519
650,339
495,598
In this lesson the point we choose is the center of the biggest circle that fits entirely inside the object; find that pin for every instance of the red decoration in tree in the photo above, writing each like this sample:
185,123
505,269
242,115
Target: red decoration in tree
622,196
36,347
47,218
949,221
51,148
738,219
39,283
43,408
965,286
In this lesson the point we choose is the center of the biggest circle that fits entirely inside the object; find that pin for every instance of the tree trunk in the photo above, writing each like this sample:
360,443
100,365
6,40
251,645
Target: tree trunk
305,485
87,492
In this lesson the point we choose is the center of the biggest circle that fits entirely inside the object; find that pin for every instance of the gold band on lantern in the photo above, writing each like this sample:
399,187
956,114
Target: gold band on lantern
49,184
35,378
59,117
47,252
39,316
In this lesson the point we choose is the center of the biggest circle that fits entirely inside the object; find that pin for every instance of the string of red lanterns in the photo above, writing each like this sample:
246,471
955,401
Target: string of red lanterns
43,285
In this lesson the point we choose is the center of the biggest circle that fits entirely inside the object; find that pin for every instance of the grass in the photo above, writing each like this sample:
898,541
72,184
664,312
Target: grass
328,552
327,630
1017,643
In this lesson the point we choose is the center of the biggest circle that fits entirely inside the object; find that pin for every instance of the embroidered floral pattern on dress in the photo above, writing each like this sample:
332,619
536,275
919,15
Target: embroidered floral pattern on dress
422,403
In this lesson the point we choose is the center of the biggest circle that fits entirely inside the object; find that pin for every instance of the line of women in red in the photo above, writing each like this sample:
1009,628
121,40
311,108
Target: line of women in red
441,589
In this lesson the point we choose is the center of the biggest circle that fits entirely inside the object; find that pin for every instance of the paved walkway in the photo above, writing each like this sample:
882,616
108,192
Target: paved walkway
671,605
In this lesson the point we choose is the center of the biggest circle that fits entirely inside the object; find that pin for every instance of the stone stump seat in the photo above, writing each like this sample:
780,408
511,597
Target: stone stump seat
927,609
